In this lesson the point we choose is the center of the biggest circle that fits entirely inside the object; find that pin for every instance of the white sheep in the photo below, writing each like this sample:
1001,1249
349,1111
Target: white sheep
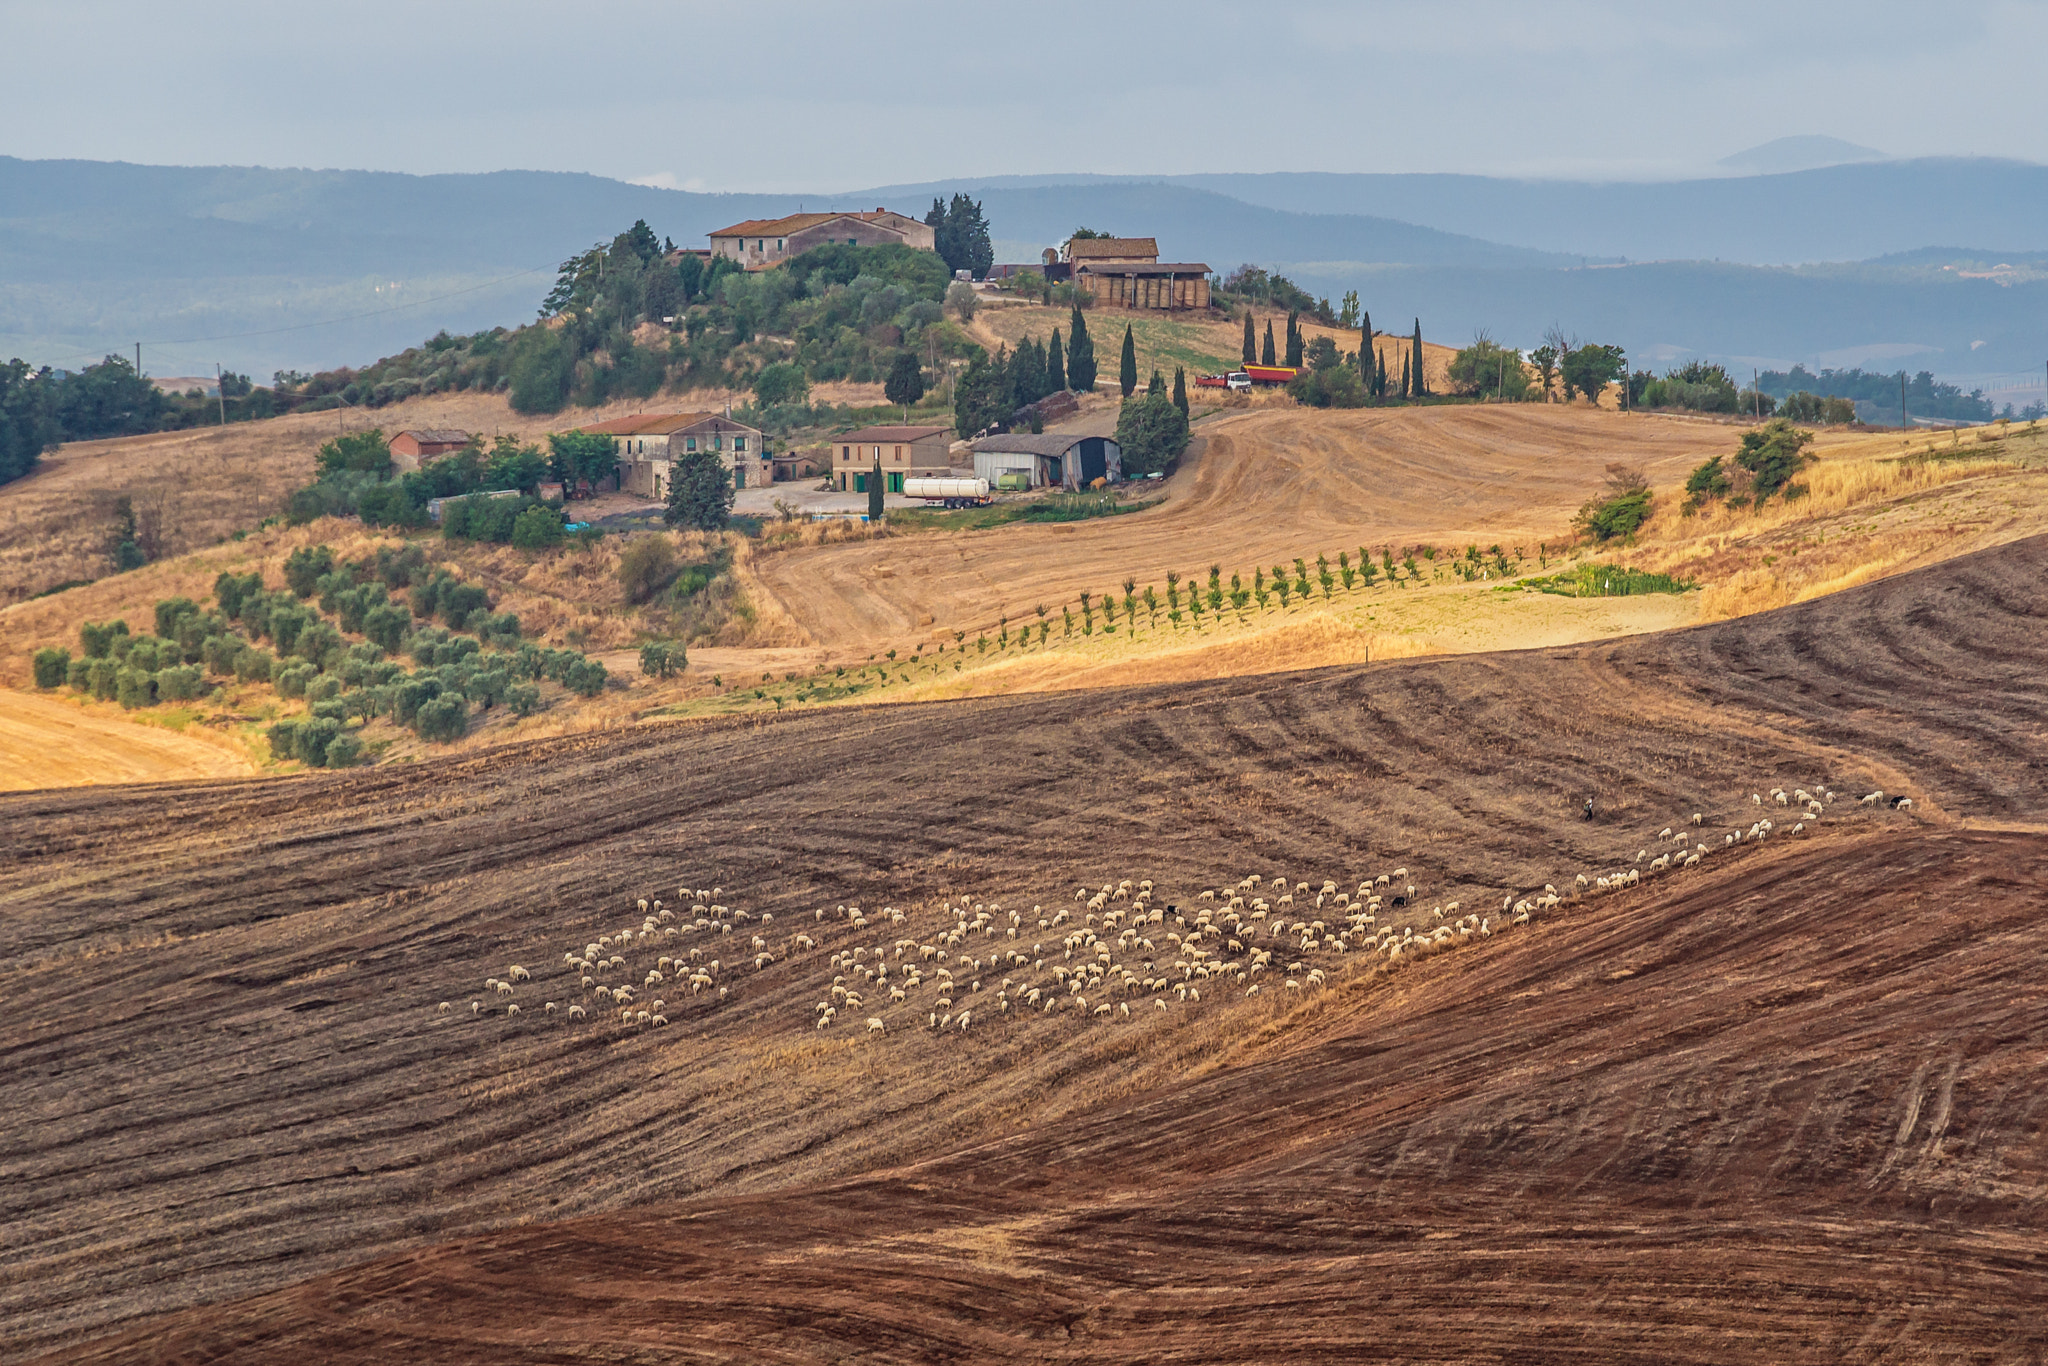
519,974
875,1026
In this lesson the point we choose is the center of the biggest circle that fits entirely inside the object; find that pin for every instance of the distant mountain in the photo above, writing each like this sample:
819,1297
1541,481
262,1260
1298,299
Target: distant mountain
1804,152
1838,213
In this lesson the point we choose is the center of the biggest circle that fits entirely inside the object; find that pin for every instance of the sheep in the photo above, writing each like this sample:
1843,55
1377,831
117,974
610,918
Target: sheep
576,1012
519,974
549,1007
512,1010
475,1007
1873,799
445,1008
875,1026
1903,804
504,988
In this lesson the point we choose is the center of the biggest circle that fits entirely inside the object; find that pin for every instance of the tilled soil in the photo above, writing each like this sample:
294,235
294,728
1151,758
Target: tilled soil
1779,1107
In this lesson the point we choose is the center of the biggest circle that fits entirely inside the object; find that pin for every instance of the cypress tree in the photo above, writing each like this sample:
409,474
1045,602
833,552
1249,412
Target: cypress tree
1294,338
1055,365
1406,392
1180,390
1080,355
1267,354
1421,386
1251,343
1157,385
875,492
1365,348
1127,372
1380,380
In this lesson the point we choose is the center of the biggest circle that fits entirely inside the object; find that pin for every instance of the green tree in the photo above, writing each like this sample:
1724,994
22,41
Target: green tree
1180,390
981,398
1294,338
512,465
700,492
1490,370
1027,374
875,491
1080,354
1589,369
1545,359
365,452
905,384
1420,381
52,667
1620,510
580,456
1773,454
663,658
781,382
542,367
1055,365
1365,351
1251,343
537,528
1348,310
1127,369
304,568
1407,376
28,417
1267,355
108,399
1151,432
961,237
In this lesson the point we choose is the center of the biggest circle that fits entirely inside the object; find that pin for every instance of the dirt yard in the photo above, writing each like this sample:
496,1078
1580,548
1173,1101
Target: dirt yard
1779,1107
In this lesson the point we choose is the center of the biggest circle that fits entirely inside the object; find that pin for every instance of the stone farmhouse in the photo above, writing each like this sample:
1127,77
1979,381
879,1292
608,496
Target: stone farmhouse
763,242
905,452
649,443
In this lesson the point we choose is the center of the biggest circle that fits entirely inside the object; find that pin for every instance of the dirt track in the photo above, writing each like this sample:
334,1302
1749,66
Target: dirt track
1782,1108
1262,486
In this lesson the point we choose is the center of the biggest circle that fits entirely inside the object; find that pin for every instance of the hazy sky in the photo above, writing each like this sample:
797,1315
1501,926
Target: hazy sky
805,96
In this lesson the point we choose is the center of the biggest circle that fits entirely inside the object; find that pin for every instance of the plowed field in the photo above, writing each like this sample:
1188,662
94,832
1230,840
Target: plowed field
1782,1106
1261,486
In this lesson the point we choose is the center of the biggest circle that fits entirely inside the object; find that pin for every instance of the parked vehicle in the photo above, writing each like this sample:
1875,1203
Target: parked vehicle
1270,374
1236,379
948,492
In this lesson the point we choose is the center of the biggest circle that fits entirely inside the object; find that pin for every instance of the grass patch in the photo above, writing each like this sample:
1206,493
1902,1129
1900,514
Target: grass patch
1059,507
1603,581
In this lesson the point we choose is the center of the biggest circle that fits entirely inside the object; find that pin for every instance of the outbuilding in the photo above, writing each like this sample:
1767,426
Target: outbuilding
902,452
1064,459
414,447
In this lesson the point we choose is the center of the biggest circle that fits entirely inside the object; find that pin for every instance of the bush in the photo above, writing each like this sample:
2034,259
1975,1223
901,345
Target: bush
133,688
782,382
170,612
1152,433
537,528
311,741
291,680
52,667
585,677
284,739
254,666
647,566
523,699
96,638
180,684
660,659
1773,454
104,678
1489,370
78,676
387,625
1625,507
305,567
442,718
231,590
321,687
344,751
459,602
501,629
1336,387
408,697
389,505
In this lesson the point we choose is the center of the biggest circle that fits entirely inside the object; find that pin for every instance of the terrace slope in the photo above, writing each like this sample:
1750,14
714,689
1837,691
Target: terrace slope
227,1074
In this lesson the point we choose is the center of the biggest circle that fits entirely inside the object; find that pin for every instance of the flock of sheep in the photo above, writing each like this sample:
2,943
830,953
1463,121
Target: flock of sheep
1117,952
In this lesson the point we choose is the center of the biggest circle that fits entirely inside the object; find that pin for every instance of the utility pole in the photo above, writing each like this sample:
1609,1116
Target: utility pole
220,392
1756,393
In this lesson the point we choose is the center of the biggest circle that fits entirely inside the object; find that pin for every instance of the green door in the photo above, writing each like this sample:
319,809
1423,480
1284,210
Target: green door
860,483
895,483
739,476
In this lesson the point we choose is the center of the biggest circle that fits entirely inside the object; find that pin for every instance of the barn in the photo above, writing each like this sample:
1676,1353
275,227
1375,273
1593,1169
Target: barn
1066,459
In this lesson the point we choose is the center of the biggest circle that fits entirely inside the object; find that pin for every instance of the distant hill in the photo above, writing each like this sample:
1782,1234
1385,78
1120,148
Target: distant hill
1803,152
341,267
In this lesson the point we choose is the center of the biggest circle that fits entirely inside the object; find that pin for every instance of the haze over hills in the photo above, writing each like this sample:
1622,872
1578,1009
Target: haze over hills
265,269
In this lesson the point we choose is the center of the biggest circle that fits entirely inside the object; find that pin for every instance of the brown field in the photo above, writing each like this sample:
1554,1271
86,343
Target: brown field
50,741
1782,1107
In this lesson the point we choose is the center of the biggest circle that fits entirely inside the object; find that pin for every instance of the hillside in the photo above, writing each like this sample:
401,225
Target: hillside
1799,1075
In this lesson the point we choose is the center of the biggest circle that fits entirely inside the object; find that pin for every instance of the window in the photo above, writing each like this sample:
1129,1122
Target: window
689,443
739,443
757,244
878,452
899,453
846,454
778,244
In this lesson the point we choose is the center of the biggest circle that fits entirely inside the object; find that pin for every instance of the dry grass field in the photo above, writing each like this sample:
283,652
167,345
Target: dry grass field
48,741
1778,1107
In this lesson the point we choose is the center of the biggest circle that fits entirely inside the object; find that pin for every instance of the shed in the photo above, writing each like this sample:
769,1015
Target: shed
1068,459
414,447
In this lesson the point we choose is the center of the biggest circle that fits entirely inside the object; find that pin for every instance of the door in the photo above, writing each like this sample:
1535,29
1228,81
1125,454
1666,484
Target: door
1094,465
739,476
860,483
895,483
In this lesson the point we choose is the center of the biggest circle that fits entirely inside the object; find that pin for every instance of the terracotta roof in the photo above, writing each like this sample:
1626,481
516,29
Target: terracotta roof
436,436
882,434
1119,247
795,223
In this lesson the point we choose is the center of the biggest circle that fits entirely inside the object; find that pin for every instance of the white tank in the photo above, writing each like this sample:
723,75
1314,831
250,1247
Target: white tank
945,488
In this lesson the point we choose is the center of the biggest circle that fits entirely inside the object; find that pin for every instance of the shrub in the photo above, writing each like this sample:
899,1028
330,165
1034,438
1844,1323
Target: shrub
408,697
647,566
660,659
96,638
386,625
52,666
304,568
232,590
459,601
523,699
1335,387
283,738
501,629
321,687
344,751
291,680
171,611
219,652
180,684
133,688
585,677
311,741
104,678
78,675
1625,507
537,528
782,382
1489,370
442,718
1152,433
253,665
1773,454
1709,480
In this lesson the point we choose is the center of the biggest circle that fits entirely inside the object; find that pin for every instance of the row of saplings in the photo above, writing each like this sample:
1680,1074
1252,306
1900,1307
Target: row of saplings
313,658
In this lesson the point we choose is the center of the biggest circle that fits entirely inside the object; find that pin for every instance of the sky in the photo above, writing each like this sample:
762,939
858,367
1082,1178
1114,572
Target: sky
804,96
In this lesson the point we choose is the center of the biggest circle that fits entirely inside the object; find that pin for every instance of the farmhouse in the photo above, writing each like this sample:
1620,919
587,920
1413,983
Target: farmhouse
1055,458
760,243
649,443
905,452
416,446
1126,272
